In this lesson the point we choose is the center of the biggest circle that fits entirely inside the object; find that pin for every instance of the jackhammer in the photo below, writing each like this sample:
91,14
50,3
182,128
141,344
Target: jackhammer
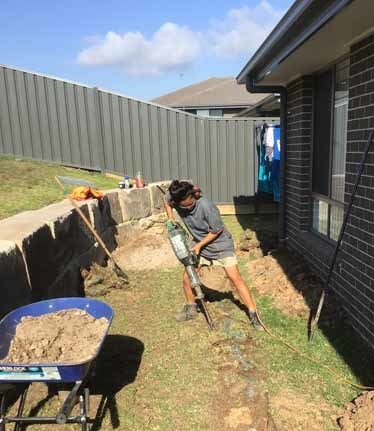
178,240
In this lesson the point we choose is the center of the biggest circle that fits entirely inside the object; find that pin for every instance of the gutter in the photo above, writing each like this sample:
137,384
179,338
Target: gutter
253,88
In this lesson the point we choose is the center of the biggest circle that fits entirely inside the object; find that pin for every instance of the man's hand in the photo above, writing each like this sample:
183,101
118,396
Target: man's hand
196,249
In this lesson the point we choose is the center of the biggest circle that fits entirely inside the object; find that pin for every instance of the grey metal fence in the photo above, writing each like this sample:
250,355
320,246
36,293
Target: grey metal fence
45,118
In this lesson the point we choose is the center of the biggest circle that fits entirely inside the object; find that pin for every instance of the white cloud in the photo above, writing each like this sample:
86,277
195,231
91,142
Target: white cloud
175,47
170,47
242,30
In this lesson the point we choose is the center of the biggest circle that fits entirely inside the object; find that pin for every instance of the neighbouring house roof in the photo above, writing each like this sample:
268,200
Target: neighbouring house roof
269,104
311,35
211,93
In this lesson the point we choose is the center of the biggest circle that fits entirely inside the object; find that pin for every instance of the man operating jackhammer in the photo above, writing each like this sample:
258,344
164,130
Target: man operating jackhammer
212,242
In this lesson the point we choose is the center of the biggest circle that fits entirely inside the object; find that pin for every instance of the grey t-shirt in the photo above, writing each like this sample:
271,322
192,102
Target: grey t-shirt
201,220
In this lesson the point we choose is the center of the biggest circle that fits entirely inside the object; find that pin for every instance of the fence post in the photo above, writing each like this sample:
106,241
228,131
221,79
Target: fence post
99,141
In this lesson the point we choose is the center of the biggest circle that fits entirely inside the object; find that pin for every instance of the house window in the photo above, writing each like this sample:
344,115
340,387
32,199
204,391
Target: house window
202,112
329,149
216,113
209,112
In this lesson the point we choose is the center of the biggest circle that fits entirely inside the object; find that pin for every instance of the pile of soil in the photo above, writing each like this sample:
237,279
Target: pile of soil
297,411
285,279
258,243
148,251
214,277
99,280
359,414
67,336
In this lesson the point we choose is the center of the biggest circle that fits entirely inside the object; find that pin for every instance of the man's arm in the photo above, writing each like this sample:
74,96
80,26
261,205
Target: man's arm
168,209
205,241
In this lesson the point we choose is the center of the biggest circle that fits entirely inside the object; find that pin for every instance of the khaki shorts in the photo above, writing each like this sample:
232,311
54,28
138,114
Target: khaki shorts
223,262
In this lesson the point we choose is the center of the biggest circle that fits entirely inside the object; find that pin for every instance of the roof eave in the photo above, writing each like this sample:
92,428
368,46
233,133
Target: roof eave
295,12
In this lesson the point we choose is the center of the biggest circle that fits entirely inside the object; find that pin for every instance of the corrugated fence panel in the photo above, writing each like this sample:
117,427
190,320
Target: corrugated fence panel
135,133
232,159
145,146
184,169
116,123
56,147
202,164
215,174
173,144
41,102
45,118
222,158
240,161
165,141
63,123
154,126
14,113
6,132
191,149
128,150
23,111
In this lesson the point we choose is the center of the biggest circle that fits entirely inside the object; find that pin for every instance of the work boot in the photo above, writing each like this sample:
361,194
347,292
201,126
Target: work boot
255,321
188,312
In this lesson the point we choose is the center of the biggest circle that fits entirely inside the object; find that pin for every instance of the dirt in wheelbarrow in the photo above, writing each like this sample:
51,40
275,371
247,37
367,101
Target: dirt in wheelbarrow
68,336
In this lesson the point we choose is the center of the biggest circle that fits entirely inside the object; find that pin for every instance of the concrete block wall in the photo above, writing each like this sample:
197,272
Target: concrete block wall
41,251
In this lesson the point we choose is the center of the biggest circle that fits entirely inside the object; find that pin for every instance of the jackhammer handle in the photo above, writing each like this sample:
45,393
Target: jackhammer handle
195,281
199,292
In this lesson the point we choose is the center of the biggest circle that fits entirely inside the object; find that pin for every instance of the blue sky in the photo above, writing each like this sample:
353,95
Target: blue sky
138,48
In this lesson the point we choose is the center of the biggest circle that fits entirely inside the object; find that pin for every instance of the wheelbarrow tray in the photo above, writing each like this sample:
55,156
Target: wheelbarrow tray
48,372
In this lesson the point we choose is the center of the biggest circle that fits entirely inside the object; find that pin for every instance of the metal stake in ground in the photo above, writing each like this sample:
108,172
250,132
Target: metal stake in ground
314,322
116,267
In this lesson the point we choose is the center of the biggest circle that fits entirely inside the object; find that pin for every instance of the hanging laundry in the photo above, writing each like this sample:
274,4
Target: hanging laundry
269,143
276,152
275,166
264,166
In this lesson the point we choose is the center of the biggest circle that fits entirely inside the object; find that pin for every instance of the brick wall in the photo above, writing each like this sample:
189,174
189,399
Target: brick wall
353,281
299,170
298,166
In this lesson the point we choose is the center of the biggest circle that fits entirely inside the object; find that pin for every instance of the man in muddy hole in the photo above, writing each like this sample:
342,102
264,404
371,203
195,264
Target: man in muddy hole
212,242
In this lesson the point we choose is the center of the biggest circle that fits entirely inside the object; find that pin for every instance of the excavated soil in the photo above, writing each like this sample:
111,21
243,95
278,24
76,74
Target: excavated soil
282,277
149,251
296,411
67,336
359,414
214,277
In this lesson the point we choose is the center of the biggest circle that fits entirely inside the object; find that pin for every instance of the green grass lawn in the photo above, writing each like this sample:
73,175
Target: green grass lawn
27,185
180,365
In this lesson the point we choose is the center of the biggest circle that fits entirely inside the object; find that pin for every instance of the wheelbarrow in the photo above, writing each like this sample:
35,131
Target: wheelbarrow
19,377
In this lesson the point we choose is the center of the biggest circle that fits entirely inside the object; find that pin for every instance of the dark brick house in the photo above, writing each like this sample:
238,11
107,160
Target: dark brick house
320,58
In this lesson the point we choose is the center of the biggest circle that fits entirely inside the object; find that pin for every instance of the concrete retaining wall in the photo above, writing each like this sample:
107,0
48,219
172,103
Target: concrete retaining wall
41,251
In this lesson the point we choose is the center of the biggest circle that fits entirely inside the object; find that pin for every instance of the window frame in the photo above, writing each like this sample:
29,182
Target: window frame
318,196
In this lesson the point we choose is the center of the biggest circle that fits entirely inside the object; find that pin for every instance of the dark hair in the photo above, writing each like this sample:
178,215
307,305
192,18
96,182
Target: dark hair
180,190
